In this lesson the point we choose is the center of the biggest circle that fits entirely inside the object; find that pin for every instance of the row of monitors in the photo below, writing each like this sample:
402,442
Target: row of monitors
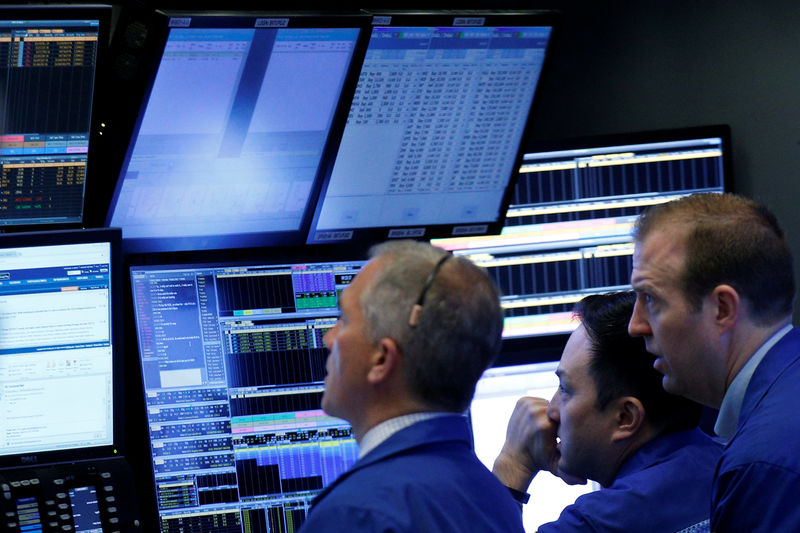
278,130
233,367
281,130
266,130
232,356
308,129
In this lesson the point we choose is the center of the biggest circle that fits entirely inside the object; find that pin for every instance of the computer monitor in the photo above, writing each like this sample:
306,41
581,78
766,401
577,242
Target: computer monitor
232,130
47,108
568,229
59,346
434,127
233,361
496,394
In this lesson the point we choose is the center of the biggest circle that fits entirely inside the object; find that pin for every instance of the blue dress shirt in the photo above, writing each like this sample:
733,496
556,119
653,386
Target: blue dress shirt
757,484
425,477
664,487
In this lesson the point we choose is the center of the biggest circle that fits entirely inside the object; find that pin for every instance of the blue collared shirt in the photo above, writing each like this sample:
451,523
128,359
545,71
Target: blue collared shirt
728,418
424,478
664,487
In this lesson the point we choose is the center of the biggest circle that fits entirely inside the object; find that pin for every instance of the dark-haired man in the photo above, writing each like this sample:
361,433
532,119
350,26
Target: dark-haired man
611,421
715,288
417,329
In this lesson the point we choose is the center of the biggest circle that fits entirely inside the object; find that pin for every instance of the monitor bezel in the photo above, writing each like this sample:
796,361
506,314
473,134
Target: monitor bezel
442,18
159,30
82,236
94,171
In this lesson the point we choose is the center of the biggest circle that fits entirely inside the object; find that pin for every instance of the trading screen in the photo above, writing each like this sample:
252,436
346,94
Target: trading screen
568,228
47,72
433,130
231,134
234,365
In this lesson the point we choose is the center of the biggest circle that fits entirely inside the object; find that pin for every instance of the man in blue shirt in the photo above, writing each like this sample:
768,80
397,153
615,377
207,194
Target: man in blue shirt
417,329
715,288
612,422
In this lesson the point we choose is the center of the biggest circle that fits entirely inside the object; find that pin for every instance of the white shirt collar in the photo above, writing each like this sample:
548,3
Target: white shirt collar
387,428
728,418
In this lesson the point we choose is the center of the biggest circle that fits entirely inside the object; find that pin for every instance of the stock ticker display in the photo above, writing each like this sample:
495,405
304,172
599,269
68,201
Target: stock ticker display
568,228
47,72
234,365
433,130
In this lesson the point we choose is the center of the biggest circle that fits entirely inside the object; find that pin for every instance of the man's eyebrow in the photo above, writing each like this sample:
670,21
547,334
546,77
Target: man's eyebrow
563,376
639,283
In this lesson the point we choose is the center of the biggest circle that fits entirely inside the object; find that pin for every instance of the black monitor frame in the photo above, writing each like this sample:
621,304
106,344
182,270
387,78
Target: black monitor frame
443,19
81,236
159,28
94,175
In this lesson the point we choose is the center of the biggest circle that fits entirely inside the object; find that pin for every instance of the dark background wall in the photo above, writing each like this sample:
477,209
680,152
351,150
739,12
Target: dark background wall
639,65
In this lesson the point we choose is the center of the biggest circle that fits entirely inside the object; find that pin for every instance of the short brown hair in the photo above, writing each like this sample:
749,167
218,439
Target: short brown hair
729,240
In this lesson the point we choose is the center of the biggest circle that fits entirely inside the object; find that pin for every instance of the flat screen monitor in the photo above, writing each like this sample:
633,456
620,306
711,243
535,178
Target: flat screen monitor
49,77
232,130
59,336
568,229
496,394
434,128
233,362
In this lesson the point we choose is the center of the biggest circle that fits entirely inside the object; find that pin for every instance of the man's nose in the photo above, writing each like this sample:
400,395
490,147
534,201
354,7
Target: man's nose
638,325
552,409
327,339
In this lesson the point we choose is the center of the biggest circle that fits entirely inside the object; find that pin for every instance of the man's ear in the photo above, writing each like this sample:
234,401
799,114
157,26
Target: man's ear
628,417
726,306
385,361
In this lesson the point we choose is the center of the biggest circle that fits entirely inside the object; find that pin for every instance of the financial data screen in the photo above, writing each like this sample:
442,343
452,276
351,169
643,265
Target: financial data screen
568,229
232,135
47,72
56,374
433,130
234,367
